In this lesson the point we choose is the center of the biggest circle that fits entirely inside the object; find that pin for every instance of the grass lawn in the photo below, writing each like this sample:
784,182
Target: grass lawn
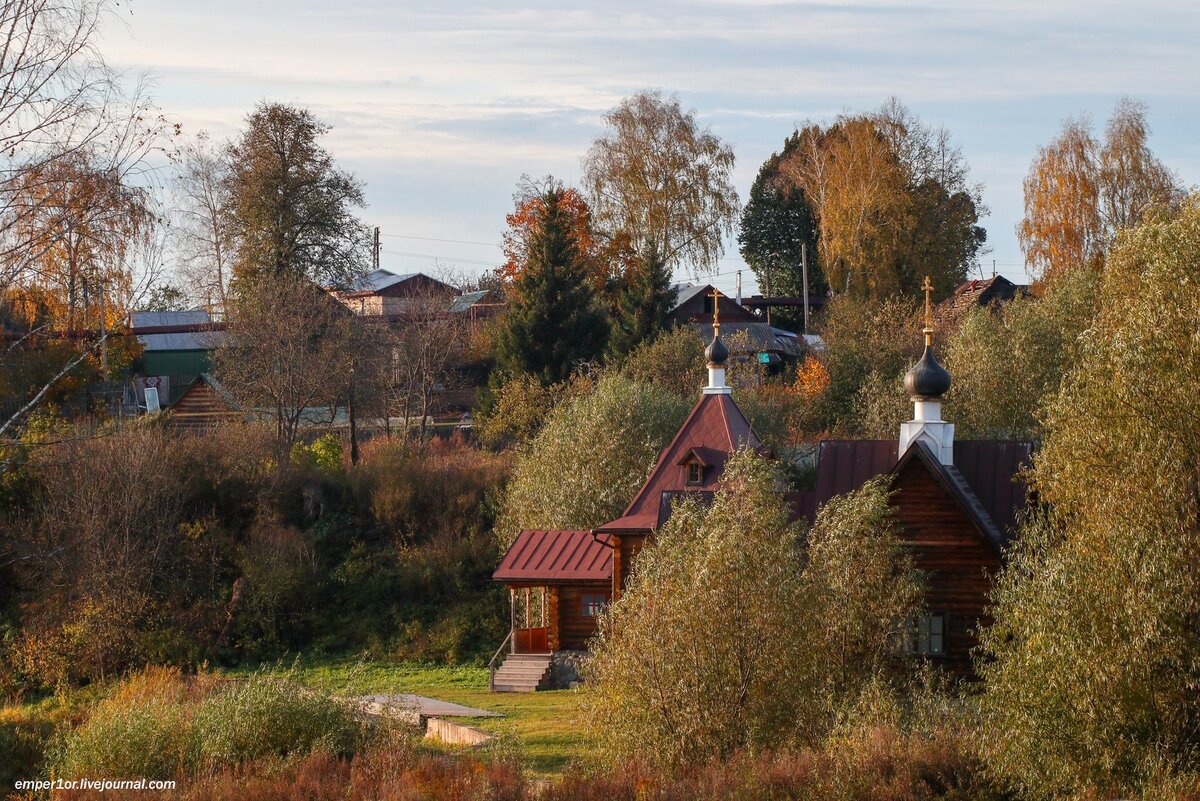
546,728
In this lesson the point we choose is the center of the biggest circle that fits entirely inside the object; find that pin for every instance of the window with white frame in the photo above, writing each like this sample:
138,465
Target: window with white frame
592,604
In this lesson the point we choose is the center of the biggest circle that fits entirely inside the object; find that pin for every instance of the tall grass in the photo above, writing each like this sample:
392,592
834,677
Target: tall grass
158,724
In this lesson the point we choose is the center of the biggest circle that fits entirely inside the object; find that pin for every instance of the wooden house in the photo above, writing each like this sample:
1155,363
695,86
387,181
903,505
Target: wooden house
203,405
956,504
382,293
983,292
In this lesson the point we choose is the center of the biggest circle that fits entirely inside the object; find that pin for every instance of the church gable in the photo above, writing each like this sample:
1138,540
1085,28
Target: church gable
694,461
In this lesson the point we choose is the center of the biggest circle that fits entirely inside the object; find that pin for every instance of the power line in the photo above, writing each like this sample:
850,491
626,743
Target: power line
438,258
437,239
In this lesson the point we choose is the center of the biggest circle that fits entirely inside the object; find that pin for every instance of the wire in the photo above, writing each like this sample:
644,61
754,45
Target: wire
436,239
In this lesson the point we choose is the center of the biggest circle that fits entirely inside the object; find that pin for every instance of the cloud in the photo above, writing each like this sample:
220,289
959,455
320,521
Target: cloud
459,99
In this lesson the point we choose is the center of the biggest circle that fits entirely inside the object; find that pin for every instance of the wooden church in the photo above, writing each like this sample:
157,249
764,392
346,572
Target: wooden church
956,503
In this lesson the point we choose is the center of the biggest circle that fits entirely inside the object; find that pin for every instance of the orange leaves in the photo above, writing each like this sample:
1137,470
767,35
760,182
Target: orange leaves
811,378
523,228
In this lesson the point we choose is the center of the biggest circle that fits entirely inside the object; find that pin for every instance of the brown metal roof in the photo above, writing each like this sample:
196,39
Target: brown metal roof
715,428
988,468
556,556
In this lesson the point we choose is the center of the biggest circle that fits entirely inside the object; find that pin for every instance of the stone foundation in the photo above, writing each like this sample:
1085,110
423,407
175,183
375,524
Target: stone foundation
565,670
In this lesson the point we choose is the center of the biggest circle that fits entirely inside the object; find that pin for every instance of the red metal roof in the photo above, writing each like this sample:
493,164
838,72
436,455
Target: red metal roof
556,556
716,428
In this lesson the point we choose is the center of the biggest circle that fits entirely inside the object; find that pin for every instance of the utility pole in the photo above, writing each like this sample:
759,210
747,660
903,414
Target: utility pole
739,288
804,277
768,293
375,250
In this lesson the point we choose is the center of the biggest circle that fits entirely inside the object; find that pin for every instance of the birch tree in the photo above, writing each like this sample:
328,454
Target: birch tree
662,182
1081,192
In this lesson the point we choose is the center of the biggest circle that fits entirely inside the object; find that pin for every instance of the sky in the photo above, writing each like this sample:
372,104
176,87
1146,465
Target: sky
441,108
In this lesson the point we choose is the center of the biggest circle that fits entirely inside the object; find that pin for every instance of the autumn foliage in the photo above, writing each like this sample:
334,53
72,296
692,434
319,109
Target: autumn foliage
524,228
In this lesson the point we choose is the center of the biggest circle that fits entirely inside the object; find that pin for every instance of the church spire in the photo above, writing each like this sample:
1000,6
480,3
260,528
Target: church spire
716,354
926,383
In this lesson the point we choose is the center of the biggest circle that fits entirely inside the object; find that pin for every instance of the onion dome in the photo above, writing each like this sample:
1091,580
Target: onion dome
716,352
927,379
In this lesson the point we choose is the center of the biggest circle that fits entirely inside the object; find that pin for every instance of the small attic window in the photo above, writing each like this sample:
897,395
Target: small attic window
695,473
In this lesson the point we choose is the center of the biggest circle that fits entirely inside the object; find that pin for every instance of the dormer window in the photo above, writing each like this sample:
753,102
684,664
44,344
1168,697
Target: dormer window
695,473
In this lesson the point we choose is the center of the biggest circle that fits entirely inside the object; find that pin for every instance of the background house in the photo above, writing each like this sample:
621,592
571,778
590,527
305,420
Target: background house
176,348
382,293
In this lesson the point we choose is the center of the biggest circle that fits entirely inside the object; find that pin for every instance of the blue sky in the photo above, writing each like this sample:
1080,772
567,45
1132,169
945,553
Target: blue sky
440,108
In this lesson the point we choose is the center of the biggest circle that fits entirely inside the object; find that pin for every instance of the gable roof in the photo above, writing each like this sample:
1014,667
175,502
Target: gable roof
378,280
556,555
984,476
953,481
982,291
716,428
759,336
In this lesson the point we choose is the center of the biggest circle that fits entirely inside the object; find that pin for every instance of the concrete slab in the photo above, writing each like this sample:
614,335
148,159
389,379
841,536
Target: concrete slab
421,706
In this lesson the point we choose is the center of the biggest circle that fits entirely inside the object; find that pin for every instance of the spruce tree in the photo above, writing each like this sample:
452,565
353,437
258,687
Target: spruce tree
554,321
776,223
643,300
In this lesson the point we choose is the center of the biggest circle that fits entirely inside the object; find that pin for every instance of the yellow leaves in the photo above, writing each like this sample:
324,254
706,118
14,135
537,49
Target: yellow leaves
1080,194
811,378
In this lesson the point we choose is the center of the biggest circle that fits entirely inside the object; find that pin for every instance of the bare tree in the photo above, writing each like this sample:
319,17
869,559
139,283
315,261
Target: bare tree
289,355
414,363
58,100
72,147
201,234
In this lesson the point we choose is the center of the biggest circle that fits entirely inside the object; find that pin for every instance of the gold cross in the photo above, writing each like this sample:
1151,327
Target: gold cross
716,296
928,287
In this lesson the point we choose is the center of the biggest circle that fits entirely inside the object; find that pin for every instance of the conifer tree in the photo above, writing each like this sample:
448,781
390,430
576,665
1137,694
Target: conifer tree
777,222
643,299
554,322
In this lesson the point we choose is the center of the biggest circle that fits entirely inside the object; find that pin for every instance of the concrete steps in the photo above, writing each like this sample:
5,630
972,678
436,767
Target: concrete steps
523,673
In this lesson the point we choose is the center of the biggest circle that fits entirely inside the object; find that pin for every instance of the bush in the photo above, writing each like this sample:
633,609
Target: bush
876,764
272,716
141,730
323,454
157,724
593,454
722,641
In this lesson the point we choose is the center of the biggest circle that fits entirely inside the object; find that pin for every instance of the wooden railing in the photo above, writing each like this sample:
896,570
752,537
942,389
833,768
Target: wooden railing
492,662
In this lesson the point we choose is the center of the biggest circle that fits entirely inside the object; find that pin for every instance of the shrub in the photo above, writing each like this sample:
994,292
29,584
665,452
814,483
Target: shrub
323,454
722,639
157,724
142,730
698,657
272,716
590,458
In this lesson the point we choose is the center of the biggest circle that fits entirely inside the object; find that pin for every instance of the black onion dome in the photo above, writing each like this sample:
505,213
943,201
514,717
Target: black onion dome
716,352
927,378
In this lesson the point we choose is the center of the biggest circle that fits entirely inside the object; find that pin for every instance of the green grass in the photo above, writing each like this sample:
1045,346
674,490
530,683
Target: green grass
546,728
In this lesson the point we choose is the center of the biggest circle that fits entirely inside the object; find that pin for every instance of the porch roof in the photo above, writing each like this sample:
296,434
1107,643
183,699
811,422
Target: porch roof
556,556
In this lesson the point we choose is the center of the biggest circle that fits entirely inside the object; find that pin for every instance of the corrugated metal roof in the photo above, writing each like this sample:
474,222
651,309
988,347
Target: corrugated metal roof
378,280
155,319
465,301
685,293
556,556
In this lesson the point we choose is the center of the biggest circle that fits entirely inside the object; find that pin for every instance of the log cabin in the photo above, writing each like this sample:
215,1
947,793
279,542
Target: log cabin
956,503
